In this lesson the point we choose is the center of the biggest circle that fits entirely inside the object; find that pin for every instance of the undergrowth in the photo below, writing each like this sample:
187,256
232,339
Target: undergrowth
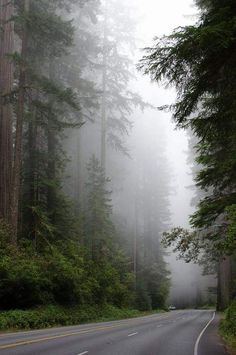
53,315
228,327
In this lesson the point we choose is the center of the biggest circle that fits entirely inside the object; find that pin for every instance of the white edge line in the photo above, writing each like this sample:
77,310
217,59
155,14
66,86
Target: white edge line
201,334
131,335
85,352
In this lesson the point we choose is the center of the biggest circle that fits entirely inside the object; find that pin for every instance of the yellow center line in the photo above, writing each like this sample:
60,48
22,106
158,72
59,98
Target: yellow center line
53,337
33,341
32,332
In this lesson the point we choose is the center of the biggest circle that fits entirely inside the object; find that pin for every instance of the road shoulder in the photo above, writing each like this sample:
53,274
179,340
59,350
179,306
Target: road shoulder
211,342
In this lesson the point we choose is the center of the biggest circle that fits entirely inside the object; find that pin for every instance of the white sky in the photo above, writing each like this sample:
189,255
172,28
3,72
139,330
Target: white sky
156,18
160,17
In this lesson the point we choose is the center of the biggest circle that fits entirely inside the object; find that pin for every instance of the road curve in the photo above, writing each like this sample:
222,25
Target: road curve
190,332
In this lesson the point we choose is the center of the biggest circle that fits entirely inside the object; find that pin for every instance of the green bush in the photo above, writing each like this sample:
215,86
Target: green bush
22,282
29,280
50,316
64,275
228,325
143,300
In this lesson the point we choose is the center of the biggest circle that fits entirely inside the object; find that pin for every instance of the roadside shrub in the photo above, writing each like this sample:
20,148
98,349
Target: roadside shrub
51,316
229,323
228,326
22,282
143,300
5,234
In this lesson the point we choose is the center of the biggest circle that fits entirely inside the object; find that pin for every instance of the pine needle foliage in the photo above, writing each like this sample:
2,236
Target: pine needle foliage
199,61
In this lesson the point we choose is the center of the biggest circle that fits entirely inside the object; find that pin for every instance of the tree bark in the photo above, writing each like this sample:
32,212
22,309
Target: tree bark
79,183
51,190
19,130
6,82
224,284
32,178
103,107
51,170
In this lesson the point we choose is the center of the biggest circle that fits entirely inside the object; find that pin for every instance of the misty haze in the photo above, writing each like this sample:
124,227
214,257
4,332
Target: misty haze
117,177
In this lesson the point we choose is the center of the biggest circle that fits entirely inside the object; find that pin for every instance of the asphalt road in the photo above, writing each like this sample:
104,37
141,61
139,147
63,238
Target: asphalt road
173,333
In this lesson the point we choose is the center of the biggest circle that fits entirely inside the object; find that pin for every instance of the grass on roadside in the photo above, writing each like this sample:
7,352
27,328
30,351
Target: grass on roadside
228,327
52,316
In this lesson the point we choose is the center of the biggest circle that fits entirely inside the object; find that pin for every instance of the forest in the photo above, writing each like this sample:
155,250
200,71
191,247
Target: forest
199,61
85,214
66,107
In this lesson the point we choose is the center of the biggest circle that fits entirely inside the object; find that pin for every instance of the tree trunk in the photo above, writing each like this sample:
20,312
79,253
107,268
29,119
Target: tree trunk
51,170
79,183
136,229
104,85
51,193
224,284
19,129
32,178
6,81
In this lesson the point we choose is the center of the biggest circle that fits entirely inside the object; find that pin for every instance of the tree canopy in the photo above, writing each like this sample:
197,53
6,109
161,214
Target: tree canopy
199,61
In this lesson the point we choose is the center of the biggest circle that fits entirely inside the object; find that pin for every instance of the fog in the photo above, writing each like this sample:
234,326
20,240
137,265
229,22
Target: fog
148,168
187,282
105,205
